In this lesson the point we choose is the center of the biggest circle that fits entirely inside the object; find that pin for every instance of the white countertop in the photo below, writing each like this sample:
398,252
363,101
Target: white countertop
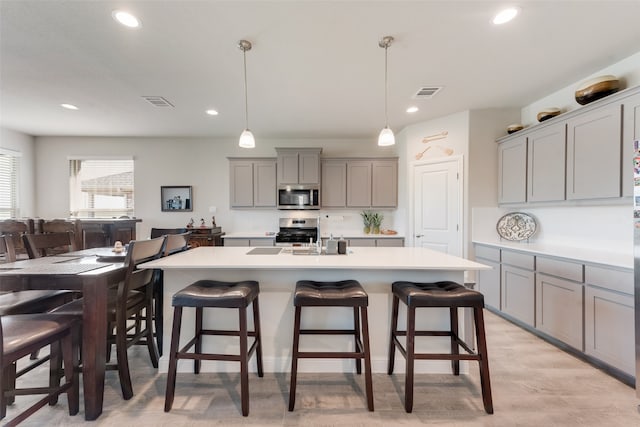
221,257
619,259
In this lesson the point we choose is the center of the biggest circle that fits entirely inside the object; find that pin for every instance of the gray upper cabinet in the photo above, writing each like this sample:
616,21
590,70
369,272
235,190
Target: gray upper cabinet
298,165
252,182
546,154
512,171
359,184
594,153
334,183
384,183
630,133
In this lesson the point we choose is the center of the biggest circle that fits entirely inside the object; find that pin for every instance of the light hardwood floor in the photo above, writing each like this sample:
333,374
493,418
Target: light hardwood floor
534,384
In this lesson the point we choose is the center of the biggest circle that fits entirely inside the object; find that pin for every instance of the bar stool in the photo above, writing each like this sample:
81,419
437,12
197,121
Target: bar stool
440,294
210,293
346,293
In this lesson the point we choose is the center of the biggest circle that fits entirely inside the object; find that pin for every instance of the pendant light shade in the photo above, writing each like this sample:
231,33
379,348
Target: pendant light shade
246,138
386,137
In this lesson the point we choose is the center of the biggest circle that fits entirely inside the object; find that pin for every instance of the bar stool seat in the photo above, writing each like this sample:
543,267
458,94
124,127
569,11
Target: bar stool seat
346,293
440,294
215,294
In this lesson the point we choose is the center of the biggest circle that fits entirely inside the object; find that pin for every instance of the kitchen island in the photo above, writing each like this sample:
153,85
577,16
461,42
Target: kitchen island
374,268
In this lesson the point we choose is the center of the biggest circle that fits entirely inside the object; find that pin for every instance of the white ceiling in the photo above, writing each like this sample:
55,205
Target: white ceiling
315,70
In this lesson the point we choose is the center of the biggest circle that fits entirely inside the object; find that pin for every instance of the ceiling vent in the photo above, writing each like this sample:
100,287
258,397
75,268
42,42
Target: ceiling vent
158,101
427,92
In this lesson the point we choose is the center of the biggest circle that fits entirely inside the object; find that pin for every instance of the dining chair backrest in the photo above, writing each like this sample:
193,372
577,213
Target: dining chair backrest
46,244
157,232
140,251
7,251
14,229
176,243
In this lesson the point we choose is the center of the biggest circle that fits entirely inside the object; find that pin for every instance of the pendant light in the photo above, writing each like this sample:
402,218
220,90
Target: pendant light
246,138
386,137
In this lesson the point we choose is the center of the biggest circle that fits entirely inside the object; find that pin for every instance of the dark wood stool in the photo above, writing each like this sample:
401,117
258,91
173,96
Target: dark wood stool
440,294
210,293
346,293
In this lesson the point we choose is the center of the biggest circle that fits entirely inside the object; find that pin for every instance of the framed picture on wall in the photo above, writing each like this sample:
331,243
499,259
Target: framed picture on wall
176,198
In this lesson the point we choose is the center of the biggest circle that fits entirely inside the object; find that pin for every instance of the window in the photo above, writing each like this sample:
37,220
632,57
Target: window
101,188
9,180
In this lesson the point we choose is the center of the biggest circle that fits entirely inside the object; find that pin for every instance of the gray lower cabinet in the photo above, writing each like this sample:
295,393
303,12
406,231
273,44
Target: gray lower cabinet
373,242
249,242
559,305
609,317
518,293
488,283
390,242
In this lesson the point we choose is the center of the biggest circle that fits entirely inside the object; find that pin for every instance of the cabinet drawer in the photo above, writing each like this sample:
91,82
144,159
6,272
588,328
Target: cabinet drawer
559,268
487,252
236,242
390,243
609,278
362,242
518,259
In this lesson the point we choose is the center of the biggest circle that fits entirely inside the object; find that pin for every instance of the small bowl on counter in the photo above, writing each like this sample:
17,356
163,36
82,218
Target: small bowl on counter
548,113
596,88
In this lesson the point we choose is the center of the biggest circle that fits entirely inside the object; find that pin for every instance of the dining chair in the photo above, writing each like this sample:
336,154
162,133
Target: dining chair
21,335
14,229
46,244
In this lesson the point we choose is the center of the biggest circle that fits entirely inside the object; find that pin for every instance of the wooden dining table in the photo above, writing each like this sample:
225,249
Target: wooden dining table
91,274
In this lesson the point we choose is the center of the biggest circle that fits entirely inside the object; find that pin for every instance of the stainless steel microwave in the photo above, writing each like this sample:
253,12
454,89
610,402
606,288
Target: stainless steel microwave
300,196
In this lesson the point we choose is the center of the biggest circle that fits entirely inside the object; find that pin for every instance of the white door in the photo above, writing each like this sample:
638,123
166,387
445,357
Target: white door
437,196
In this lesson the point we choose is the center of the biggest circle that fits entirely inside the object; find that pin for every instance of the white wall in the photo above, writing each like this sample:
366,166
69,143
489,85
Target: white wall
627,70
199,162
23,144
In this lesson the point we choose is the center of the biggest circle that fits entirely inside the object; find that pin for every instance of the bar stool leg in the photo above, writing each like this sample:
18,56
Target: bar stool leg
411,331
453,315
256,326
198,344
358,338
485,382
394,329
294,359
173,362
244,362
367,358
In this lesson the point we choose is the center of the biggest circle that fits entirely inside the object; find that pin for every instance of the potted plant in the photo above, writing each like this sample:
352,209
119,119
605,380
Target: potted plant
376,222
366,219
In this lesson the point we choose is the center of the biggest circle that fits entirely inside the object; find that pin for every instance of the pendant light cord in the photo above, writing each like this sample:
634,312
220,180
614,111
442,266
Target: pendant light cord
246,102
386,87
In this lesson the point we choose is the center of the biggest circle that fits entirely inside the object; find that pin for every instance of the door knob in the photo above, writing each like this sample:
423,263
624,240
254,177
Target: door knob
418,235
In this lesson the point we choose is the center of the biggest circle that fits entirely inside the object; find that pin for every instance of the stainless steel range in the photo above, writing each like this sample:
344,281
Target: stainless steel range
297,231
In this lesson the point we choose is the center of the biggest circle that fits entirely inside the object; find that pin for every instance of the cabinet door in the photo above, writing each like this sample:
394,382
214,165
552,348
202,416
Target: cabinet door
488,282
308,168
384,183
261,242
512,171
631,132
390,243
358,184
594,154
362,242
518,293
264,184
334,184
288,167
609,320
241,184
546,153
559,305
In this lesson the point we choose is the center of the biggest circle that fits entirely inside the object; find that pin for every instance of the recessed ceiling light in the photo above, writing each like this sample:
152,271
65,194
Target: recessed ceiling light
126,19
412,109
69,106
505,15
212,112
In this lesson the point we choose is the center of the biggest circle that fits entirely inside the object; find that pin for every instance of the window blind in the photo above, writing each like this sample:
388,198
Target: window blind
9,177
101,188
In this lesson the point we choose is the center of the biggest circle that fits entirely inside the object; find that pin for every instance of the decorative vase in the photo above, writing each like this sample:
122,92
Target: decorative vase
376,230
367,229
